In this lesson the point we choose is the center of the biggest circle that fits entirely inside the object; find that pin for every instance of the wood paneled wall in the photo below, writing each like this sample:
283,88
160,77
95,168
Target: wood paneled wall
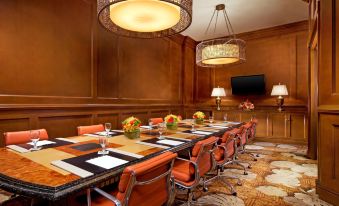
59,69
280,53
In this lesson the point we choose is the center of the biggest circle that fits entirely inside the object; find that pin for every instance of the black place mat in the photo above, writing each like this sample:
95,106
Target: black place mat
151,133
86,147
154,141
197,130
80,161
58,143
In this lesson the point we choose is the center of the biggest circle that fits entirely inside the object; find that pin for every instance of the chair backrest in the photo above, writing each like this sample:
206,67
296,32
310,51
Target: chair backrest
229,142
90,129
157,120
253,128
21,137
202,155
148,183
244,133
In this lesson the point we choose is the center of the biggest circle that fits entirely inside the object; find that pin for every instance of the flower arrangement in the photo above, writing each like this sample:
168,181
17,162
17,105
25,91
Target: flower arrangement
199,117
172,121
246,106
131,127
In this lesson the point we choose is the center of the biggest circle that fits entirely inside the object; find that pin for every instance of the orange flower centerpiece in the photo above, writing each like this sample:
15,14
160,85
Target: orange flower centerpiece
199,117
172,121
131,127
246,106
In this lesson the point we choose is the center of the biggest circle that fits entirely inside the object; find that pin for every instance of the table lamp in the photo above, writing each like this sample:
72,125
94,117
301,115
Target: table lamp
218,92
279,91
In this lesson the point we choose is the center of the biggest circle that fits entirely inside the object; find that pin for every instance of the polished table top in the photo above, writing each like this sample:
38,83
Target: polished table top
32,173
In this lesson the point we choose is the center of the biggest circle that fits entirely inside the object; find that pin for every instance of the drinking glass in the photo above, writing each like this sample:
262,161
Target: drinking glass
161,129
35,136
108,127
211,119
150,124
225,117
103,142
192,124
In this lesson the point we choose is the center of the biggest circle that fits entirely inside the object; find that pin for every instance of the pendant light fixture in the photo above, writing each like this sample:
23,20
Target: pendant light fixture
220,51
145,18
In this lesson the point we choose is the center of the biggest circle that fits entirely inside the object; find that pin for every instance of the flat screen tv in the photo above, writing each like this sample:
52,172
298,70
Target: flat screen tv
248,85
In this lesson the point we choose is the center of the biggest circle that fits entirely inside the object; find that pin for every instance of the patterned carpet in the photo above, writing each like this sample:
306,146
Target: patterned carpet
281,176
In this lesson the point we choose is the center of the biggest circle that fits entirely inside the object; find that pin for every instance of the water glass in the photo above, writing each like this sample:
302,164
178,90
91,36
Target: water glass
193,124
108,127
161,129
35,136
103,142
211,119
225,117
150,124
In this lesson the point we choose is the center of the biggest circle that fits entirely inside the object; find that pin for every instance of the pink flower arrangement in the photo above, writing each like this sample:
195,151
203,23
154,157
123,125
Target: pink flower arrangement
246,106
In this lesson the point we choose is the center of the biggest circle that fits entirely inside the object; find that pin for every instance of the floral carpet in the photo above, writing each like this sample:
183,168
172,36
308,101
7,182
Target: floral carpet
282,176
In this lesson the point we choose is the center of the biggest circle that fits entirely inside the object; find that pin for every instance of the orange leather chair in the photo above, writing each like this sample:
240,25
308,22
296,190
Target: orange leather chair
243,140
156,121
187,173
225,155
90,129
143,184
21,137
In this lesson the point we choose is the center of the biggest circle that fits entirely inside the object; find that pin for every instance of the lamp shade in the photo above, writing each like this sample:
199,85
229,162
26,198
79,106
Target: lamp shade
218,92
279,90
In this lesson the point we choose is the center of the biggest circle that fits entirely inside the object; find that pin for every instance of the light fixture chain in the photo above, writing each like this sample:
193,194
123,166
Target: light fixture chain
226,22
216,21
228,19
209,24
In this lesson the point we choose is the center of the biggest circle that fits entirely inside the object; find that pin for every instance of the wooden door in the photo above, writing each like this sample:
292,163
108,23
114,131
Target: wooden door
328,102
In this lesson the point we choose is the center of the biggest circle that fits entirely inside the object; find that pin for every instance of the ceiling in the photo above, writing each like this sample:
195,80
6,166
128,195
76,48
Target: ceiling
245,15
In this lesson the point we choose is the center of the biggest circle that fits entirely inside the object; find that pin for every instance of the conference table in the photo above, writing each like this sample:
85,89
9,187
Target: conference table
65,166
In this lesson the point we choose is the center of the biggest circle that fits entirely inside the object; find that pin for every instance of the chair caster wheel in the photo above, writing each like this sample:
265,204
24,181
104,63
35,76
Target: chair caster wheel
255,160
245,173
239,183
205,189
257,155
249,167
234,194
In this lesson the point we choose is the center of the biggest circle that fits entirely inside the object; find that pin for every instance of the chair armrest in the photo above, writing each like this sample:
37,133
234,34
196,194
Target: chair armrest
108,196
196,168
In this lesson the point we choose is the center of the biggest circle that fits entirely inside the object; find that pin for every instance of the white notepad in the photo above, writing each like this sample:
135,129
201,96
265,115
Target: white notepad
202,132
42,143
146,127
17,148
104,133
170,142
107,162
218,126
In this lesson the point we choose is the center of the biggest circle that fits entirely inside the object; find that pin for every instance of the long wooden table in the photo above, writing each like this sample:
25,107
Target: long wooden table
32,173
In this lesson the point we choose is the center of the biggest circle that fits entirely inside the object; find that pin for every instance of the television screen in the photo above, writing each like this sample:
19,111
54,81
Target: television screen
248,85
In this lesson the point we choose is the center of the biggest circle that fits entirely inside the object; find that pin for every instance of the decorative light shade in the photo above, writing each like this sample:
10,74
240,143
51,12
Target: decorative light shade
218,92
145,18
279,90
222,51
218,52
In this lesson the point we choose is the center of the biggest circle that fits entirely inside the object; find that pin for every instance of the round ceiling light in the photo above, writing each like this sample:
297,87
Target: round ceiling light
145,18
217,52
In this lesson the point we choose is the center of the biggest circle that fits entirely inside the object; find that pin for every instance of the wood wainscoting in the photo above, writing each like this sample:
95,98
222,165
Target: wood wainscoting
62,120
289,126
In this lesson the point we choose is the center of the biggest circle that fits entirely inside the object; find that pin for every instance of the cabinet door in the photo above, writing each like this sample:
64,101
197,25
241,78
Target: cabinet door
296,127
233,116
329,153
278,125
262,127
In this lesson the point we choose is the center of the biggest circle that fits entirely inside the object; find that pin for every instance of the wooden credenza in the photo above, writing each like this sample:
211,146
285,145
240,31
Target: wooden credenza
289,126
